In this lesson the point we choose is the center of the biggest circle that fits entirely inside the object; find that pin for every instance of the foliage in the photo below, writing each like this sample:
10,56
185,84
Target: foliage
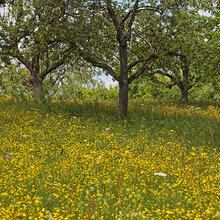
74,160
145,88
31,33
98,93
138,38
12,82
185,40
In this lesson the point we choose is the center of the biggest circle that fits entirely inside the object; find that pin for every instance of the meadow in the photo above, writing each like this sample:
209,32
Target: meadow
74,160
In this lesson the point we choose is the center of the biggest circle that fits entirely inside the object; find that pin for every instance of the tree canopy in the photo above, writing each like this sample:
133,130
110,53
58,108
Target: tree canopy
32,33
126,39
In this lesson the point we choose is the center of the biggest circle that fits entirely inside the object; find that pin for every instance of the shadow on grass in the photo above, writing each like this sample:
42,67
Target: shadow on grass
193,130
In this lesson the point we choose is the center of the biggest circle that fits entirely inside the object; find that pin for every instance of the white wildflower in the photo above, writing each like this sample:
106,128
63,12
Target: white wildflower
24,135
160,174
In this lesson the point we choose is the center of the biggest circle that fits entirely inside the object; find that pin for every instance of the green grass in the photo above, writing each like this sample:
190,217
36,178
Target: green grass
75,160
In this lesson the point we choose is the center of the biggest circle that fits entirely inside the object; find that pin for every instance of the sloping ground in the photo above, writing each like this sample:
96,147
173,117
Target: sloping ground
60,165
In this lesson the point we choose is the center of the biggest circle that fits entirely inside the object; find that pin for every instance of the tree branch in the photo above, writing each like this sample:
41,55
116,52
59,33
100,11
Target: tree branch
96,63
165,84
138,73
126,17
51,68
144,67
193,84
134,12
114,18
151,57
161,72
22,59
56,64
152,8
91,59
154,56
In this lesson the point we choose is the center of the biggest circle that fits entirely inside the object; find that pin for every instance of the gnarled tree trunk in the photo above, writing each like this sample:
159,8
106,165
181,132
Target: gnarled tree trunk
35,81
184,96
36,85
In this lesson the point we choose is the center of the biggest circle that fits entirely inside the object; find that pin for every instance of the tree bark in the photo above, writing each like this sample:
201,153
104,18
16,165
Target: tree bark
35,81
184,96
185,81
36,85
123,99
123,81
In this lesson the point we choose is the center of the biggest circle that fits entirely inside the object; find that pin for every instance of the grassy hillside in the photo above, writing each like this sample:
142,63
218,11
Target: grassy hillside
74,160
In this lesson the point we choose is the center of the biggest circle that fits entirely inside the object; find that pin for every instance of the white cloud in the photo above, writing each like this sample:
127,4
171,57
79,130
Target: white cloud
107,80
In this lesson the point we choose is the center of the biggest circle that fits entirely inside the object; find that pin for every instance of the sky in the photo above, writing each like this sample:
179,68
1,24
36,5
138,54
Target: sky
107,80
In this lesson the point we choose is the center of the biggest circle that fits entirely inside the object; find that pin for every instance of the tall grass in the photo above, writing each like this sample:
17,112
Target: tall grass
75,160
